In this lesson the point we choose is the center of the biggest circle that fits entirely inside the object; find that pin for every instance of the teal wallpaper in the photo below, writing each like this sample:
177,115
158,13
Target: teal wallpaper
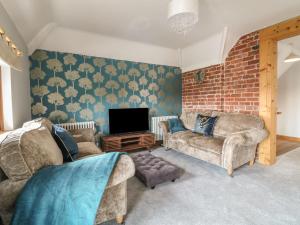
69,87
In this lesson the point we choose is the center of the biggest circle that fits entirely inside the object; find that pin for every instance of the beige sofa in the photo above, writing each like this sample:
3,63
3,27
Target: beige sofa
24,151
234,142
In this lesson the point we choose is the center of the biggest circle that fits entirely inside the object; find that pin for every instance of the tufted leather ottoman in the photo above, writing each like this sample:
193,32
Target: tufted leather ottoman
152,170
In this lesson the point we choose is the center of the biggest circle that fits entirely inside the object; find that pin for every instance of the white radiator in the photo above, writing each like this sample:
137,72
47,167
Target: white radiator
77,125
155,126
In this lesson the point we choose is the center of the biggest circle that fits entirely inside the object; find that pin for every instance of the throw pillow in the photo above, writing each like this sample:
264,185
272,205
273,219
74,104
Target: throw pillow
175,125
205,125
66,143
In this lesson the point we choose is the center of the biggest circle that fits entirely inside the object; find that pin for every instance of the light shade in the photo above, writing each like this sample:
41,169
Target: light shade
183,15
292,58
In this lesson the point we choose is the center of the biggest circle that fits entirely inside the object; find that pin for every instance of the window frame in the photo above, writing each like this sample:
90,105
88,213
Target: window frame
1,103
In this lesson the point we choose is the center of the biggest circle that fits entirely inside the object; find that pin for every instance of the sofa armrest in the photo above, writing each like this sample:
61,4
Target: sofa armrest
240,147
164,125
9,192
124,169
83,135
247,137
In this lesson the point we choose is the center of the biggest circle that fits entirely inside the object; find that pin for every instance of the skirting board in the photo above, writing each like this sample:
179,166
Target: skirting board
288,138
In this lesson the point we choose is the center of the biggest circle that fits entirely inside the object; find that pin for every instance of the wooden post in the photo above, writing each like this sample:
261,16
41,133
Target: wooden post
268,82
268,99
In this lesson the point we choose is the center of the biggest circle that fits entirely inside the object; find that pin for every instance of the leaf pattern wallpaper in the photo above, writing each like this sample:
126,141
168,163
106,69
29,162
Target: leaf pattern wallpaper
70,87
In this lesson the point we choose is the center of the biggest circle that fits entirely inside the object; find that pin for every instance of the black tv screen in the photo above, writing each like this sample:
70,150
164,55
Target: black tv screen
128,120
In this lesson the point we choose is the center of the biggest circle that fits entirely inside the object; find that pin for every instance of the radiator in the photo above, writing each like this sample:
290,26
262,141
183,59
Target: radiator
77,125
155,126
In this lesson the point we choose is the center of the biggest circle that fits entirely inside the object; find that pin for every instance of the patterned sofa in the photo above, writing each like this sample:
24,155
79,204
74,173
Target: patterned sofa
234,142
26,150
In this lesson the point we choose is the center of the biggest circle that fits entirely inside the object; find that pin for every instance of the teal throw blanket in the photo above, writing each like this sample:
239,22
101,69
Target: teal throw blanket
68,194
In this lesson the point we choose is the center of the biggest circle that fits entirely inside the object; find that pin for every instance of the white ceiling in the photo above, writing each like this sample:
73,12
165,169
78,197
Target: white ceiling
145,20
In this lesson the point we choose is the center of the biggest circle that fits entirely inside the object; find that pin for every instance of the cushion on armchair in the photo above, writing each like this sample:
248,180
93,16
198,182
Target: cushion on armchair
66,143
83,135
87,148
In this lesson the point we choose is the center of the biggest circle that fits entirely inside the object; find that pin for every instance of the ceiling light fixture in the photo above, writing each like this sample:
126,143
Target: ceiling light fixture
292,58
183,15
9,43
2,32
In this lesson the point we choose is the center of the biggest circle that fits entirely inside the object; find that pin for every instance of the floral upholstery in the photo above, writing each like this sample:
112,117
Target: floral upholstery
229,123
210,144
38,122
83,135
189,118
233,144
87,148
25,150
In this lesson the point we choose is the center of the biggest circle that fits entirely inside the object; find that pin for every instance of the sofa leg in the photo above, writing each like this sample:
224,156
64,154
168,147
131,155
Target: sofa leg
230,171
119,219
251,162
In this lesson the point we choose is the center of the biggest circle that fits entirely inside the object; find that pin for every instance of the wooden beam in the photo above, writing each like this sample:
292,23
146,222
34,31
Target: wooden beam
285,29
268,82
268,96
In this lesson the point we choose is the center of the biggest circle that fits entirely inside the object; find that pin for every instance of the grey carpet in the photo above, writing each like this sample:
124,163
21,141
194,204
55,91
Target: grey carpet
257,195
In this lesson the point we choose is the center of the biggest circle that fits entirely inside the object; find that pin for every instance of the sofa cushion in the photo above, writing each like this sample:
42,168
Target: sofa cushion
83,134
188,118
182,137
26,150
205,125
175,125
66,143
39,149
87,148
39,122
205,143
11,160
206,148
229,123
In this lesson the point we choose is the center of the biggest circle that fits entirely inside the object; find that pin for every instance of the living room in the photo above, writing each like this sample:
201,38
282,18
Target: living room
149,112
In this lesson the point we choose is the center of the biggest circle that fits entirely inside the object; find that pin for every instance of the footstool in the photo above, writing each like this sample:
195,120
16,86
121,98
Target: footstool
152,170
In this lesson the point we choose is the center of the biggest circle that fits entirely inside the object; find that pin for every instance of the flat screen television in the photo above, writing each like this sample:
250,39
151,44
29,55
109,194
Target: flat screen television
128,120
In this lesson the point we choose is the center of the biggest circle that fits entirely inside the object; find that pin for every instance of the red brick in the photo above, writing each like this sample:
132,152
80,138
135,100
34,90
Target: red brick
232,86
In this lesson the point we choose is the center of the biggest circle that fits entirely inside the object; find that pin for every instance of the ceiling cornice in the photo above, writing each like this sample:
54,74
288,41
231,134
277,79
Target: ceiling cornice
38,39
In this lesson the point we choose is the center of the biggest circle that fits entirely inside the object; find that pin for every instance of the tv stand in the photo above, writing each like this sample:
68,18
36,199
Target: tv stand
127,142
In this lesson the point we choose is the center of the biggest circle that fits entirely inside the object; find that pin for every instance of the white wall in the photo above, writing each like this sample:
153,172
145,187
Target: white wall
204,53
74,41
7,98
18,94
288,123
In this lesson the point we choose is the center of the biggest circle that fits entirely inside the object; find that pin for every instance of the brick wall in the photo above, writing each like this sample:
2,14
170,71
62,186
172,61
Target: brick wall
230,87
207,95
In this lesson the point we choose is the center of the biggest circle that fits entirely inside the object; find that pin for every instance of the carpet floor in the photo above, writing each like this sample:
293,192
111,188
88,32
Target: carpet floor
205,195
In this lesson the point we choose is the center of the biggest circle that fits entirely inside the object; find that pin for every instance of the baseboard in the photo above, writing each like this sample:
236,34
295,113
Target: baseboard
288,138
